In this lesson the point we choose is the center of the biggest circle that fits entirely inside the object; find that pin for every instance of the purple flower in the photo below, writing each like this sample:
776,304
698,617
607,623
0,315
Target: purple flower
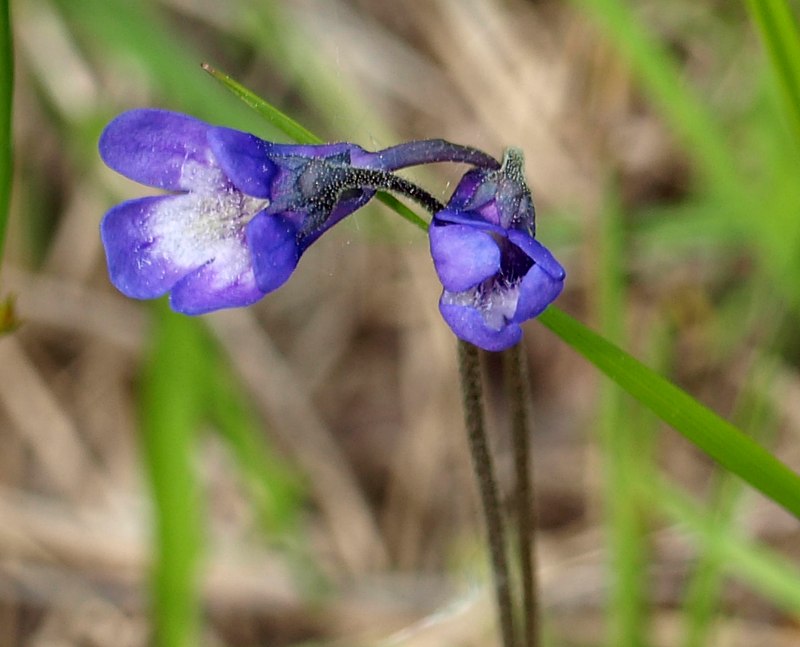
495,274
240,213
241,210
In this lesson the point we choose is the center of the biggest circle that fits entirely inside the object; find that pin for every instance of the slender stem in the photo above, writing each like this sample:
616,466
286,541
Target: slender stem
469,371
377,179
516,379
433,150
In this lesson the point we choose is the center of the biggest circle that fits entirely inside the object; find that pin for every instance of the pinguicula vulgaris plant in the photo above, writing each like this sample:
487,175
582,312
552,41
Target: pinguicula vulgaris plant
238,212
242,211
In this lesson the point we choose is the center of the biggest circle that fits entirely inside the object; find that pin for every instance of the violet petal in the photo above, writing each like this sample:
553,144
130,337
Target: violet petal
225,282
245,160
468,324
153,147
273,243
463,256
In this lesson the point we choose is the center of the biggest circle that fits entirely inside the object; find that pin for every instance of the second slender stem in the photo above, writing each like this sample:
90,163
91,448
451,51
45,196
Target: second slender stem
469,371
526,520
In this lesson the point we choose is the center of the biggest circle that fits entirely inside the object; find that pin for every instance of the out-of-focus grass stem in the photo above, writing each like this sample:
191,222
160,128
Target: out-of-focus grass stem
777,26
6,97
171,406
619,445
754,413
472,394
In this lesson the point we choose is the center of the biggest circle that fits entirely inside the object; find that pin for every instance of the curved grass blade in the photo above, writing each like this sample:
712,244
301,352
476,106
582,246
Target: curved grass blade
718,438
778,29
760,567
8,319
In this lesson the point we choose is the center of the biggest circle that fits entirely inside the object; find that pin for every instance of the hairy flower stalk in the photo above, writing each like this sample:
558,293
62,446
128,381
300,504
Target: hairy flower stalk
516,378
470,374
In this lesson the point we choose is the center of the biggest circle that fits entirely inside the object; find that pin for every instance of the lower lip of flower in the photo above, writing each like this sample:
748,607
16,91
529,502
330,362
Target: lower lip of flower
495,299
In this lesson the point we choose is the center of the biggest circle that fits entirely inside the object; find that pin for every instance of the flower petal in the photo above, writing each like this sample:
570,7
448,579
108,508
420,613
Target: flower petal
463,196
469,218
542,283
137,264
539,253
463,256
151,243
154,146
245,159
225,282
468,324
537,291
273,244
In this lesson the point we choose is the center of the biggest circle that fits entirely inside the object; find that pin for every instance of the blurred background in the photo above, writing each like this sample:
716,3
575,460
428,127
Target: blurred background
298,469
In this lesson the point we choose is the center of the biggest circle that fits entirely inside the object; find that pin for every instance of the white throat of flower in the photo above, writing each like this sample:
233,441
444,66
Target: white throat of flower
205,223
495,299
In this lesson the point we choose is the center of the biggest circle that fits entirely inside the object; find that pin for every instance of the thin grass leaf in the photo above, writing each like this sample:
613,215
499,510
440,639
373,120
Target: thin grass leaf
281,121
171,408
764,570
619,441
6,97
718,438
704,589
276,489
777,26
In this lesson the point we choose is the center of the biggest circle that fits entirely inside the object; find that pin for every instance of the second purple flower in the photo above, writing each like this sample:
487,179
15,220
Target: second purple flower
495,274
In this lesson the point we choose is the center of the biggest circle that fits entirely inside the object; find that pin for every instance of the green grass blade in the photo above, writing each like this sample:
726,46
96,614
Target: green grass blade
773,575
705,586
718,438
276,489
300,134
281,121
6,97
777,26
690,119
8,318
619,442
170,416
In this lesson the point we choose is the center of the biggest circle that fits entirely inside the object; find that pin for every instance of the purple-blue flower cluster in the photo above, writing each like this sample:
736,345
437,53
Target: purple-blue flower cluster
239,212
